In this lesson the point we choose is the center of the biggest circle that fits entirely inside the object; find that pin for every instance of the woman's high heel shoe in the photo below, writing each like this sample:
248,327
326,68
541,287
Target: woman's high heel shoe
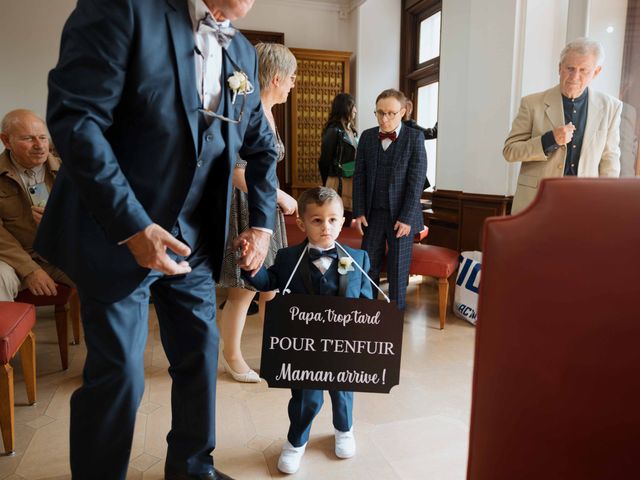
249,377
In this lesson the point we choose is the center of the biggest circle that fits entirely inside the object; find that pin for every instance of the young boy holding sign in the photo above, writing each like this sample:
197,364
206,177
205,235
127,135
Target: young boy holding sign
325,269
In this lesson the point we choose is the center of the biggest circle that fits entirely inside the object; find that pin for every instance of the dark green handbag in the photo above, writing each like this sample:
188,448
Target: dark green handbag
347,169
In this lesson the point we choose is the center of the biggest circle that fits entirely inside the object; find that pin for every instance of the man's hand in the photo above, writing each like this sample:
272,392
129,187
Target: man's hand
563,135
37,212
253,245
149,248
360,222
40,283
402,229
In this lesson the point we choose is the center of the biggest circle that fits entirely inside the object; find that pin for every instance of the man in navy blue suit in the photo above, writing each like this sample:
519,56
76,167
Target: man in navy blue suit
149,106
391,166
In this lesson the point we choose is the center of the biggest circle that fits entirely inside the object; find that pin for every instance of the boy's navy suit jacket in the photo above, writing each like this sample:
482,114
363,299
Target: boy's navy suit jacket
276,276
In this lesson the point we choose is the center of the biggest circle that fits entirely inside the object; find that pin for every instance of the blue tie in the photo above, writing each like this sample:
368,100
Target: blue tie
223,34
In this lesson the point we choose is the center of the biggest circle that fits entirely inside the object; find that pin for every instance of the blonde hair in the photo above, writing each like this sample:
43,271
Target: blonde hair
274,59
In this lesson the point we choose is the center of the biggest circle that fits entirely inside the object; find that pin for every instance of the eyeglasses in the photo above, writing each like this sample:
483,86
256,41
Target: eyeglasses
390,115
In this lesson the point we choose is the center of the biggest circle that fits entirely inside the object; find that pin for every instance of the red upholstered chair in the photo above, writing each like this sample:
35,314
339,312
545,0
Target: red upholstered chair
66,304
16,322
556,387
438,262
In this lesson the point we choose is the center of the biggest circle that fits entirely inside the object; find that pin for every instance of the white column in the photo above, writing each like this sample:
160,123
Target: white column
377,55
480,67
578,19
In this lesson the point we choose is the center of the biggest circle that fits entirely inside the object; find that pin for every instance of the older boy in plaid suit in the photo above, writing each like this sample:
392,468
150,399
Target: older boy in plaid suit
391,165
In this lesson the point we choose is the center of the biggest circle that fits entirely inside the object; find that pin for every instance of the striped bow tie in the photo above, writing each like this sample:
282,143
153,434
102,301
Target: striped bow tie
223,34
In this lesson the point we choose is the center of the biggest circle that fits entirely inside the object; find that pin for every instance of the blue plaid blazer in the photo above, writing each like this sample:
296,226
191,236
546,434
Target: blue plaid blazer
407,176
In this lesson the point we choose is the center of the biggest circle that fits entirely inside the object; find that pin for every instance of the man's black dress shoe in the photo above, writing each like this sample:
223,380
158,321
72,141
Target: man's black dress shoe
215,475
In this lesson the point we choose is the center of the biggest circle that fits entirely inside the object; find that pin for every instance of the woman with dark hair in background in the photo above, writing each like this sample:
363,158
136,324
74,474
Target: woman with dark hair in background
338,151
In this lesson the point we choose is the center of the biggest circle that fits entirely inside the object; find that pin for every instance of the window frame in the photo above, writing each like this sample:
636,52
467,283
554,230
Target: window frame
414,74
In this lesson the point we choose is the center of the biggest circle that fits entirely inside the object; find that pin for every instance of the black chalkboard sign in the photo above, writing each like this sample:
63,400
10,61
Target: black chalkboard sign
331,343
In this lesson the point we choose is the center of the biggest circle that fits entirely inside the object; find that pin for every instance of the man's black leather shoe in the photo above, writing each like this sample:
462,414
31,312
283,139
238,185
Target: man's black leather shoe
215,475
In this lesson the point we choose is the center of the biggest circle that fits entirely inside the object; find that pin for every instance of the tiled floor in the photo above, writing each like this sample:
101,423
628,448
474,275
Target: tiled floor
418,431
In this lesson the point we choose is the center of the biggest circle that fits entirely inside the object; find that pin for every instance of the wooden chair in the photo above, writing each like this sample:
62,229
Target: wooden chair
438,262
16,322
67,307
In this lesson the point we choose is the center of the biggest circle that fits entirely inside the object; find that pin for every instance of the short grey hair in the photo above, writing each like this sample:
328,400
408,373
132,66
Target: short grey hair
274,59
584,46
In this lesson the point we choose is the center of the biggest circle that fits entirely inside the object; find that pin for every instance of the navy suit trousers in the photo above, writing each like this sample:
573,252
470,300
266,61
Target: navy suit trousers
305,405
377,236
103,409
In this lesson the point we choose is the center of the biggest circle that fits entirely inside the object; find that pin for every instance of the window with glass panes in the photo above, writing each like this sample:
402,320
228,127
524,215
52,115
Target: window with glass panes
420,67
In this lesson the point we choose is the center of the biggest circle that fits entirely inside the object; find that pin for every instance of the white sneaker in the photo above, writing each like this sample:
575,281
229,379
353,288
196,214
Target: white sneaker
290,458
345,444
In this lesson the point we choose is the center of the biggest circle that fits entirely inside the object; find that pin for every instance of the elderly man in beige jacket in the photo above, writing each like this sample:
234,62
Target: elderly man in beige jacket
567,130
27,172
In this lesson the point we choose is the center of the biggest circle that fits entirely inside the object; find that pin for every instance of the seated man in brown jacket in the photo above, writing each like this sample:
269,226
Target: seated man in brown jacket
27,172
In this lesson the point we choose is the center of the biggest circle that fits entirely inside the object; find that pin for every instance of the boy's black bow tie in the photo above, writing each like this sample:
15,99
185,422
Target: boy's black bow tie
315,254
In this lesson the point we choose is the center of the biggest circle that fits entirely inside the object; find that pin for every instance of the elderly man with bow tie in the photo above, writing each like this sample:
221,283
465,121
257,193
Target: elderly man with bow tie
391,167
148,122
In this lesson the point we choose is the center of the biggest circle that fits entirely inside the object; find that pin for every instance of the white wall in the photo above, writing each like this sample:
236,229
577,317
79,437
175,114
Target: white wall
492,52
305,24
29,45
28,57
477,63
377,55
545,37
609,14
453,101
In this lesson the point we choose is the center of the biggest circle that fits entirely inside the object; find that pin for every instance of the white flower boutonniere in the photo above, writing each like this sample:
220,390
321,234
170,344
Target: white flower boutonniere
344,265
239,84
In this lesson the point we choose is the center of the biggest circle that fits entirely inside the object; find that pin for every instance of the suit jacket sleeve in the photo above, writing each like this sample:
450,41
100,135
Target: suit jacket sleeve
610,161
366,289
267,279
520,146
12,253
84,90
417,171
263,281
258,150
360,179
